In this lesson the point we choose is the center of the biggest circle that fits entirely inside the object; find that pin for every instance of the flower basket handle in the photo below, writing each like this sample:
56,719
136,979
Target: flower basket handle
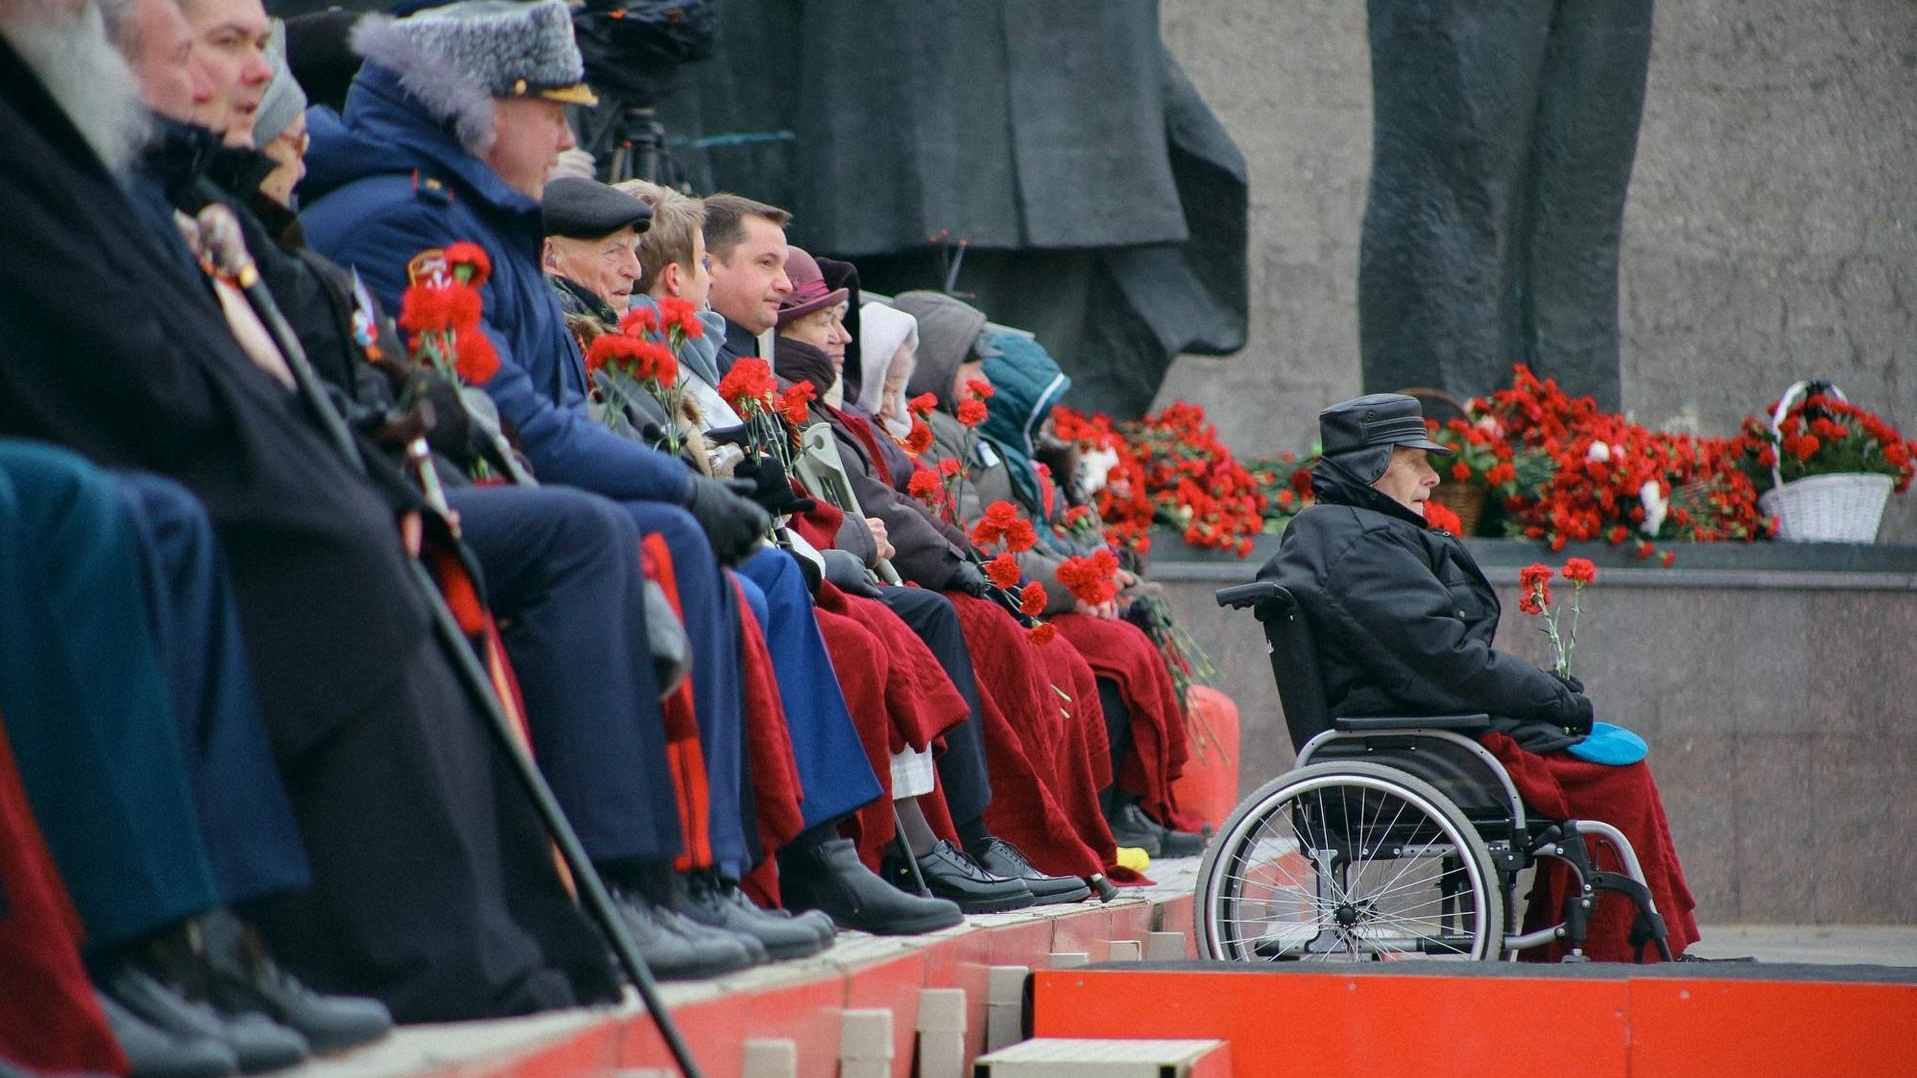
1777,418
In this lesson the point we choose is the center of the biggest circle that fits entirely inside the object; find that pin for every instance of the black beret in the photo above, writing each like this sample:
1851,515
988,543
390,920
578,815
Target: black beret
587,209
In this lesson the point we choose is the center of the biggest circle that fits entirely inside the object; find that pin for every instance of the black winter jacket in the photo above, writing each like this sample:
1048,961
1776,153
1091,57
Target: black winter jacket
1404,618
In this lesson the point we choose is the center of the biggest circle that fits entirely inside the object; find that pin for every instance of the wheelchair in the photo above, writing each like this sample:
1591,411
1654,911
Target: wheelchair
1393,837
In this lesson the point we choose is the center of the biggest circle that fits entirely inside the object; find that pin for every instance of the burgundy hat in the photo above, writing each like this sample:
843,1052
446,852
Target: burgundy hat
809,292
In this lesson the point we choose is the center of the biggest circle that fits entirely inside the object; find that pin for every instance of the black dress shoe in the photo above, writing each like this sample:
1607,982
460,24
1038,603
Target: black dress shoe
676,949
257,1042
950,874
245,979
1001,858
157,1054
717,903
829,876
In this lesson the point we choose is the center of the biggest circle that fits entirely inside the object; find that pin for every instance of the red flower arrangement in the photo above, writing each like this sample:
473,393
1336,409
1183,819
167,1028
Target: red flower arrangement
1579,474
1167,468
1823,435
1001,523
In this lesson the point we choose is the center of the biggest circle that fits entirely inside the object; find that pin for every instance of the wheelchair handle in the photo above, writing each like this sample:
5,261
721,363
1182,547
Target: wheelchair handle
1243,595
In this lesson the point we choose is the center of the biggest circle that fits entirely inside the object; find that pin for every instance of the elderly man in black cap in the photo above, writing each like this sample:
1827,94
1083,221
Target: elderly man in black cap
591,257
1404,620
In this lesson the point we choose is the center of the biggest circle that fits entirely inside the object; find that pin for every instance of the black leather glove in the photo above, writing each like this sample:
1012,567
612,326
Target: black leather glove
1582,714
970,579
734,435
1569,682
772,489
732,522
846,573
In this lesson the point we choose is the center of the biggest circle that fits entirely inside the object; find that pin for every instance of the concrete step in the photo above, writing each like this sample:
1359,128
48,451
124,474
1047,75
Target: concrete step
1078,1057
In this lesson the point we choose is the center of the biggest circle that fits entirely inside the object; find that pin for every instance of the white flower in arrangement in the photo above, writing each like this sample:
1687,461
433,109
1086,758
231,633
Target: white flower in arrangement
1094,466
1599,452
1651,497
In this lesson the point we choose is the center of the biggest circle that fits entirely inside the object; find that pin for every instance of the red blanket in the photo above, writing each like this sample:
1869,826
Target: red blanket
1025,732
1122,653
775,773
1562,786
49,1021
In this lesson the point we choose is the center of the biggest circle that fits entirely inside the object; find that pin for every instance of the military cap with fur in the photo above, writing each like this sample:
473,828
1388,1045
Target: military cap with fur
456,59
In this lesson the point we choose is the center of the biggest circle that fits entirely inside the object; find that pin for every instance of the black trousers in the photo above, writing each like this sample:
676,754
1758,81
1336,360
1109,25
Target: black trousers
930,616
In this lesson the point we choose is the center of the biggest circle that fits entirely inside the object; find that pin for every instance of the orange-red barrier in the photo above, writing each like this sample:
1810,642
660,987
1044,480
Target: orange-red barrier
1594,1022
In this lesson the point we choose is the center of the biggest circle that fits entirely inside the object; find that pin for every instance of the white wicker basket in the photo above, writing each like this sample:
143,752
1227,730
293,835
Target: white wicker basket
1841,508
1844,507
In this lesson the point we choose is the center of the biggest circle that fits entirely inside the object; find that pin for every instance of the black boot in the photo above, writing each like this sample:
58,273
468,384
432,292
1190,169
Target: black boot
716,902
950,874
1131,827
677,949
156,1053
828,876
257,1043
1001,858
245,979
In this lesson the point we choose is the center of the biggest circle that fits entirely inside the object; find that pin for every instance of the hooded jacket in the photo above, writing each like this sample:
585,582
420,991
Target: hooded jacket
948,330
1027,385
1403,618
388,181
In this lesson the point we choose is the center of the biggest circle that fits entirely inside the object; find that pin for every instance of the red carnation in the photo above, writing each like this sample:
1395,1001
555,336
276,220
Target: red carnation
949,467
972,412
639,321
425,309
477,361
1461,471
679,314
979,387
1042,633
919,439
925,486
1580,571
793,402
748,385
922,404
1021,536
1031,599
1438,517
1003,571
470,263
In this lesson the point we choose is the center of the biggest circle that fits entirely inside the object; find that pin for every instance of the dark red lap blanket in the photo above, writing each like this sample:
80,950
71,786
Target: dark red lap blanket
883,670
49,1020
775,773
1026,733
1562,786
1122,653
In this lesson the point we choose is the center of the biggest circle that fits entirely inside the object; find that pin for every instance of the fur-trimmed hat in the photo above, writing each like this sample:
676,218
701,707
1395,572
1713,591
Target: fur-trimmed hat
456,59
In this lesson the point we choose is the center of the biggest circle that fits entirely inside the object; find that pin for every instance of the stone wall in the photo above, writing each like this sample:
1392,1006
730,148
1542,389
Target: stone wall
1780,721
1771,232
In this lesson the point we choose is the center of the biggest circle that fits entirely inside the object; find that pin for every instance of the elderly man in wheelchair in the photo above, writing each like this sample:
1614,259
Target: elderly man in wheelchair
1433,769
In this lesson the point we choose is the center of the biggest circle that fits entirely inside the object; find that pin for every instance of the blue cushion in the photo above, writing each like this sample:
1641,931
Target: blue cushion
1608,744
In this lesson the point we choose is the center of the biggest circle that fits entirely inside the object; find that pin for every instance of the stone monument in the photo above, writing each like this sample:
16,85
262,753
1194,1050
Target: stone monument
1503,137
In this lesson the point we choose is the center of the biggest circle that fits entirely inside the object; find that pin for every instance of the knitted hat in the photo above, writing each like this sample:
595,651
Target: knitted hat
283,98
456,59
809,292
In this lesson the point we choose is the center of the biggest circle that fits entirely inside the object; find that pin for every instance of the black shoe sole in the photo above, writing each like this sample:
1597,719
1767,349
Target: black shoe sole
992,905
1063,896
901,927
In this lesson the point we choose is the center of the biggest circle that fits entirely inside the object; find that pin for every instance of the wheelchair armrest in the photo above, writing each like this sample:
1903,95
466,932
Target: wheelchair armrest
1244,595
1469,725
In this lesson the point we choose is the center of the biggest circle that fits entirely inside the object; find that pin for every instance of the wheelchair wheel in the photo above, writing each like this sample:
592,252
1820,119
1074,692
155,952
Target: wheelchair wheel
1348,861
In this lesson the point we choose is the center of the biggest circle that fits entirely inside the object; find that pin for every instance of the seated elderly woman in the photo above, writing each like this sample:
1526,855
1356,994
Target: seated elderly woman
1404,620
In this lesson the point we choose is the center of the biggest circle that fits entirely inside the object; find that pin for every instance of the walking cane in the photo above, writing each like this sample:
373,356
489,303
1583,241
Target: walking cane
220,234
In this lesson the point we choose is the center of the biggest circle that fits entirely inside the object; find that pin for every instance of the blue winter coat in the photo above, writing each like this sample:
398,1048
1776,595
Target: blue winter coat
387,182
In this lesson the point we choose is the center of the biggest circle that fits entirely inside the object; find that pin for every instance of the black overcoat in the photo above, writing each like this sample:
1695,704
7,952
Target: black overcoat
432,886
1404,619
